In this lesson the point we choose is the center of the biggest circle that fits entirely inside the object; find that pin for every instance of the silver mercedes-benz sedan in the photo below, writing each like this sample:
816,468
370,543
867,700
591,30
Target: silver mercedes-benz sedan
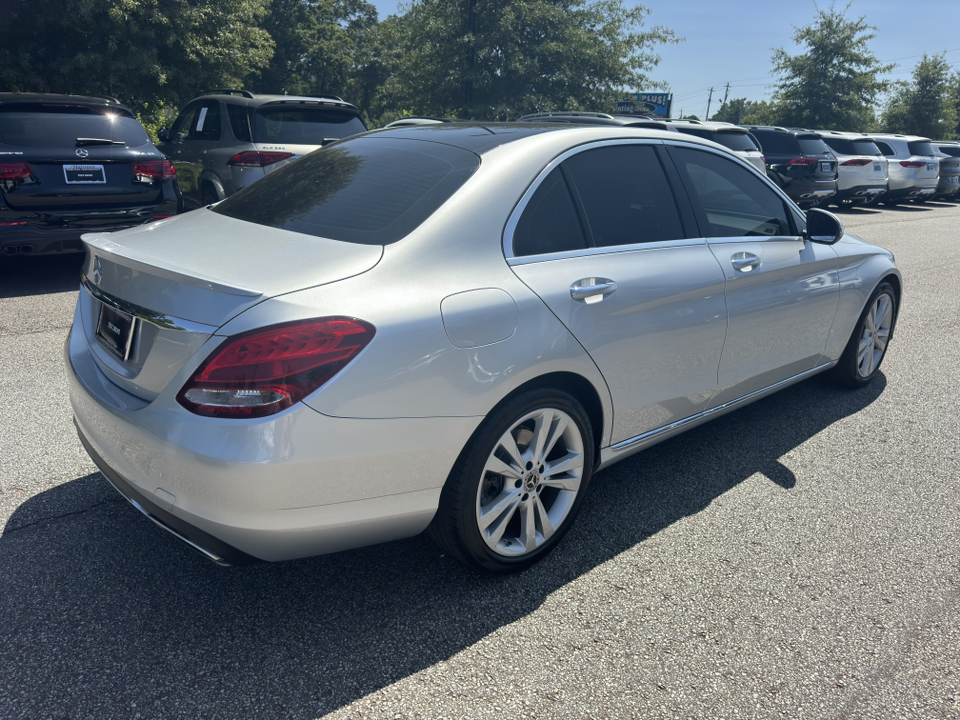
452,327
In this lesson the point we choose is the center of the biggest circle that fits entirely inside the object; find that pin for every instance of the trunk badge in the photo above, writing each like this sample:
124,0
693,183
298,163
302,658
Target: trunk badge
82,152
97,271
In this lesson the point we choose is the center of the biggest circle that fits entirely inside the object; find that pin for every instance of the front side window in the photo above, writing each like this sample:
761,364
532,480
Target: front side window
625,194
729,200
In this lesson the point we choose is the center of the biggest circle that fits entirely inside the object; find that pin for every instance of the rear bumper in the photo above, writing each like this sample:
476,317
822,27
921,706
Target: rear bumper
296,484
860,193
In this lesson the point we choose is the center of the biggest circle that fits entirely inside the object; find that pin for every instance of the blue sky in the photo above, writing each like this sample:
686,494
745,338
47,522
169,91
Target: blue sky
734,41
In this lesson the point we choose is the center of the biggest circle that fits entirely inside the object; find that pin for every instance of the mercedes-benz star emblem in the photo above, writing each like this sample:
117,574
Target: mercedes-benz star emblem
97,271
82,152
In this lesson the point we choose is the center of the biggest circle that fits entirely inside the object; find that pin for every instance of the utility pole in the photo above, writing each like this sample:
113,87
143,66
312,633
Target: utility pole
709,99
723,107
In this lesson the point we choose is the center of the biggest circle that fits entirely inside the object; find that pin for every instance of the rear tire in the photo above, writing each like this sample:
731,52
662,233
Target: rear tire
867,346
519,483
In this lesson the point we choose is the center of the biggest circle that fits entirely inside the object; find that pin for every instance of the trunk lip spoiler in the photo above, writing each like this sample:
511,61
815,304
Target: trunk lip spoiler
101,245
154,318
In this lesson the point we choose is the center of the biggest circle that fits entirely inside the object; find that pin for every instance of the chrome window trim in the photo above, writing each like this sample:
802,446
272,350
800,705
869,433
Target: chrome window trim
605,250
160,320
740,239
514,219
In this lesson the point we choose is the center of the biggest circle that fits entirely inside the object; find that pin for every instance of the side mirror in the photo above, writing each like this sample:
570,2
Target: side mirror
163,135
823,227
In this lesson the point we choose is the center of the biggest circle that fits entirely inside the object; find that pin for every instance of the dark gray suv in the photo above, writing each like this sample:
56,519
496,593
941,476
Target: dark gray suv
225,140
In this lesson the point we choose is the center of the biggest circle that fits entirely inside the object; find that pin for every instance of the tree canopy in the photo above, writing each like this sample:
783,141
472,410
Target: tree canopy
927,106
834,84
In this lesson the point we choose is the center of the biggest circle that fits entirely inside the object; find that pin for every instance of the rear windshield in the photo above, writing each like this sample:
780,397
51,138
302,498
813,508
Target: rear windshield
303,125
952,150
371,191
924,147
741,142
775,142
810,145
845,146
58,126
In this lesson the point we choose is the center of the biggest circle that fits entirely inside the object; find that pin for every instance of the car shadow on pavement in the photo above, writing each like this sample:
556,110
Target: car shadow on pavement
104,615
20,276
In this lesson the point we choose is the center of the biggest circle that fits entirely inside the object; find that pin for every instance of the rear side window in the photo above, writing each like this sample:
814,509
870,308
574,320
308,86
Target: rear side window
239,122
921,148
303,125
61,127
625,195
549,223
371,191
885,149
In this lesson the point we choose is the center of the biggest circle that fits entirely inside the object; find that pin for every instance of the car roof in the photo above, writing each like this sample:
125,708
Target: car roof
708,125
245,97
480,137
7,98
784,130
898,136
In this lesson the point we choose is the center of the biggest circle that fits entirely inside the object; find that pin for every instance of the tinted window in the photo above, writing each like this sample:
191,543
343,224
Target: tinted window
372,191
921,148
625,195
61,127
885,149
952,150
741,142
840,145
812,146
303,125
776,142
239,122
206,126
183,123
733,202
865,147
549,223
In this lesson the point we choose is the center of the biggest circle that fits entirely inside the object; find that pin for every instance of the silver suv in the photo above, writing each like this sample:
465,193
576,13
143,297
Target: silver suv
914,167
732,137
225,140
862,170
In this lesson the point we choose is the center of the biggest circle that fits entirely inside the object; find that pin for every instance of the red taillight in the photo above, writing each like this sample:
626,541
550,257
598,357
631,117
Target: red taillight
857,161
912,163
155,170
14,171
803,161
15,223
258,159
265,371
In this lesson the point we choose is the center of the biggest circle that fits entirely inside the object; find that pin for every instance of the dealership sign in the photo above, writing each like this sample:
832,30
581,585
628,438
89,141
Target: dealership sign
652,104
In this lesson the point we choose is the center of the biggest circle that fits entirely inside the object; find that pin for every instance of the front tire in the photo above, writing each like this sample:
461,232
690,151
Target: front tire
518,485
867,346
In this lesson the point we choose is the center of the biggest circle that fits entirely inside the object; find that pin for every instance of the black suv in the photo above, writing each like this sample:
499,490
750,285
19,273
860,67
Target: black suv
225,140
800,162
71,164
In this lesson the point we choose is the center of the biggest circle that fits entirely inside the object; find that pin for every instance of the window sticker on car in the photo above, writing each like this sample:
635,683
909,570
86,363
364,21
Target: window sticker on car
200,118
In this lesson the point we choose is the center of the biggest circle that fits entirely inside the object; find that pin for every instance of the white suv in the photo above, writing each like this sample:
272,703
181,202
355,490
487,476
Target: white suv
862,170
733,137
914,167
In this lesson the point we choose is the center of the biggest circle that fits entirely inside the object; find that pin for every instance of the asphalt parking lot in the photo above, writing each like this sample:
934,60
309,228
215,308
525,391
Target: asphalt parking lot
799,558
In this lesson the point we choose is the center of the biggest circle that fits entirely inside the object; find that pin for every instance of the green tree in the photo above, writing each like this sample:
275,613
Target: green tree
834,84
321,46
146,53
927,105
497,59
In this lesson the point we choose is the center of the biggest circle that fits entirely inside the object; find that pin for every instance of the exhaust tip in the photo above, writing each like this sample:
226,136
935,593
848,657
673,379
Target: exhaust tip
9,250
26,249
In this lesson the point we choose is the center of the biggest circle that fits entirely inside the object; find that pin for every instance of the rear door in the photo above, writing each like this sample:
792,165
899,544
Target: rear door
602,242
781,290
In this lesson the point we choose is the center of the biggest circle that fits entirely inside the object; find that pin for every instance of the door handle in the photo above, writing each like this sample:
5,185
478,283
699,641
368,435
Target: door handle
592,290
745,262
